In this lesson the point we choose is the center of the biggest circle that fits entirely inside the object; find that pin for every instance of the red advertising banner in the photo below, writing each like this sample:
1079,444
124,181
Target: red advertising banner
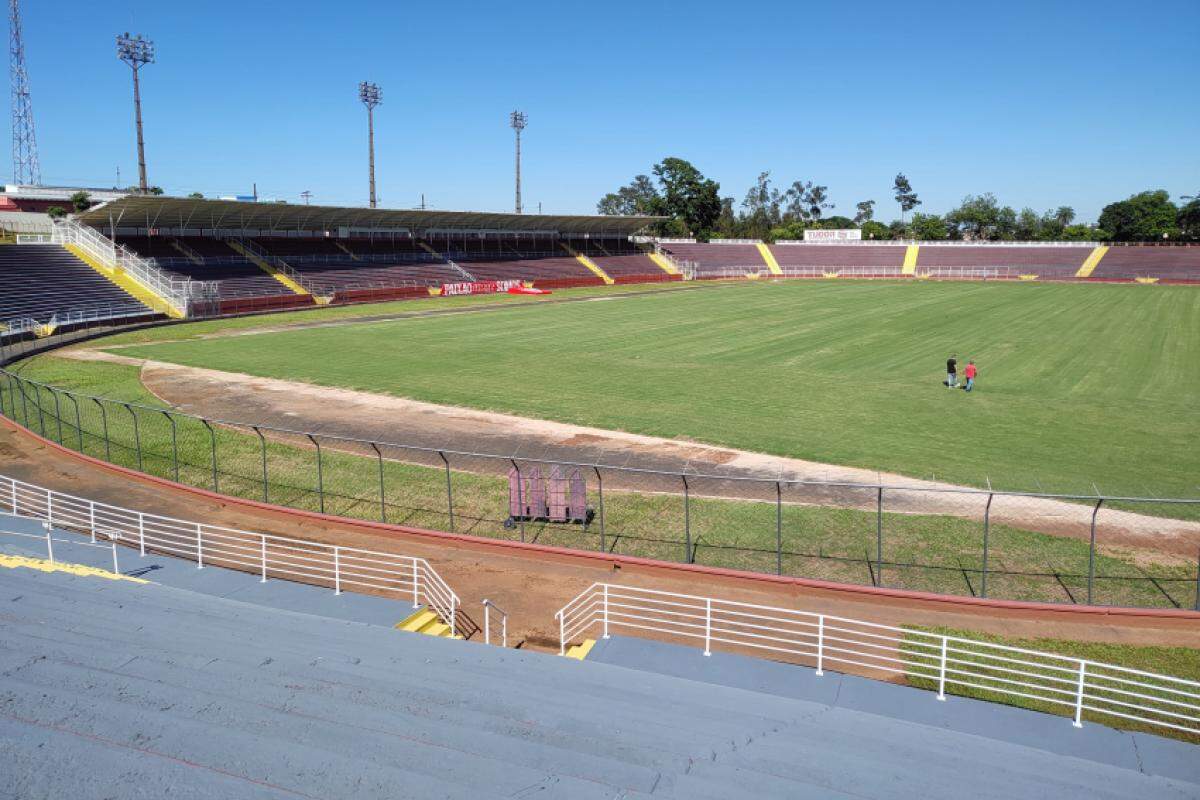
478,287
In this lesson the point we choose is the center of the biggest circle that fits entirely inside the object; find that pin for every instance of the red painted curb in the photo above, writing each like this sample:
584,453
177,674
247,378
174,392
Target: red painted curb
867,592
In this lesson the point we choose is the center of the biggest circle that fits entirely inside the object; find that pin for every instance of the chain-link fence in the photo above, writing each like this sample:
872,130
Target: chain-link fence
1095,550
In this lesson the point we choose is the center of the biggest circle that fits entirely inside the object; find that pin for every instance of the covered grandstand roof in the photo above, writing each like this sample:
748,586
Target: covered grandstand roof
135,211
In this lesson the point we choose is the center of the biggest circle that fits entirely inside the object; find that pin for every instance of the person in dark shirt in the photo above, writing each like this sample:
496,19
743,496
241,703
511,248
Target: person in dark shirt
952,371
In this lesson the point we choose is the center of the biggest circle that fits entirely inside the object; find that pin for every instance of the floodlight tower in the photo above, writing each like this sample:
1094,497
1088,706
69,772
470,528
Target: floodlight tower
26,169
371,96
518,121
137,51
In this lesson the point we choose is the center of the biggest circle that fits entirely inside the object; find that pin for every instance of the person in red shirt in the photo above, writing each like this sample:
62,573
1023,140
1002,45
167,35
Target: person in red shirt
970,373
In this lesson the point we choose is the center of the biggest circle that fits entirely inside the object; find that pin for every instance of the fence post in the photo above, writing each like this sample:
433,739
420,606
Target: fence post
1092,551
605,636
57,413
520,496
382,491
49,541
987,524
941,695
199,548
687,521
113,540
37,395
1197,557
778,529
1078,723
141,535
262,446
320,473
416,584
174,444
263,539
78,420
137,436
91,513
104,425
212,437
600,484
820,645
24,404
487,622
879,538
337,570
453,616
49,507
450,492
708,626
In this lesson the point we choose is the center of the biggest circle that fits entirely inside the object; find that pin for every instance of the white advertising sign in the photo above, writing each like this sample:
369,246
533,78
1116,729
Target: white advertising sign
840,235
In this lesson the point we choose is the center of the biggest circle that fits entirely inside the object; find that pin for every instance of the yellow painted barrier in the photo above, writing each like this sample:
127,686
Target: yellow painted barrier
910,259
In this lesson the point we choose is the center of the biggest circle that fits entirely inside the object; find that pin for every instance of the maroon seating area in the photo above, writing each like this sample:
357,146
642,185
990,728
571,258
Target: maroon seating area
1150,261
716,257
817,255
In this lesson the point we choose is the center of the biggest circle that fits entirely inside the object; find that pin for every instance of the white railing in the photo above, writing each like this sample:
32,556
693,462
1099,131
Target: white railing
340,568
173,290
1054,682
488,608
256,250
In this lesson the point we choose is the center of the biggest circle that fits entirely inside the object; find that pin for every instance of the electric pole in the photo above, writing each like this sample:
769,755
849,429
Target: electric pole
137,51
306,194
370,95
518,121
26,169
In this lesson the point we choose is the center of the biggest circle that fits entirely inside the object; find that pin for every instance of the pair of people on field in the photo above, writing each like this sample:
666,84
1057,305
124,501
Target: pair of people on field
952,373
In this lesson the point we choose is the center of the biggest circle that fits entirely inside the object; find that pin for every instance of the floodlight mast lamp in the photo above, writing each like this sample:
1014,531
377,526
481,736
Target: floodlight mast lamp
137,51
370,96
518,121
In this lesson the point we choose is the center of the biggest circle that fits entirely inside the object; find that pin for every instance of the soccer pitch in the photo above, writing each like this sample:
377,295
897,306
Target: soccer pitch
1079,386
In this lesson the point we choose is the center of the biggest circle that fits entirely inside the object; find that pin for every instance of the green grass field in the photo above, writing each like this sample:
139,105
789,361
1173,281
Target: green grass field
1080,386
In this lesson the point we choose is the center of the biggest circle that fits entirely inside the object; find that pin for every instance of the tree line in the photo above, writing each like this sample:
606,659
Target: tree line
693,206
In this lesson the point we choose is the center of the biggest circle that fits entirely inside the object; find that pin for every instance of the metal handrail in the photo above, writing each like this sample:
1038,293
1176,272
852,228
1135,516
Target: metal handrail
1073,684
342,568
488,607
173,290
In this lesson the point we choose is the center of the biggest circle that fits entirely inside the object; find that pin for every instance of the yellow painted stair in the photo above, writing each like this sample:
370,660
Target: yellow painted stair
426,622
1091,262
131,287
292,286
591,265
910,259
665,265
353,256
580,651
769,259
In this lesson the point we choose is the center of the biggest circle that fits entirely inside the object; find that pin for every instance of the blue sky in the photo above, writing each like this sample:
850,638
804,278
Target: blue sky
1042,103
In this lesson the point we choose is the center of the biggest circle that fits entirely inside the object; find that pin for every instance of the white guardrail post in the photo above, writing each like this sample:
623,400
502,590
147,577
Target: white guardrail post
337,570
1078,723
941,694
820,645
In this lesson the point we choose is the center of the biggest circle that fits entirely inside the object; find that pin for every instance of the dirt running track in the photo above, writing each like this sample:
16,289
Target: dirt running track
367,416
532,582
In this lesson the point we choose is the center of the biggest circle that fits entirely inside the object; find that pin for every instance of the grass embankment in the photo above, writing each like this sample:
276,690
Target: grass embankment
930,553
1081,387
1178,662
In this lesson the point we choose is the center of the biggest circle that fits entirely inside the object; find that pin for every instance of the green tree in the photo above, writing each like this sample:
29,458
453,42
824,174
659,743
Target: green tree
640,197
983,217
761,208
905,195
871,229
1083,233
196,196
688,196
56,212
1147,216
836,222
866,212
1188,220
928,227
80,201
818,201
